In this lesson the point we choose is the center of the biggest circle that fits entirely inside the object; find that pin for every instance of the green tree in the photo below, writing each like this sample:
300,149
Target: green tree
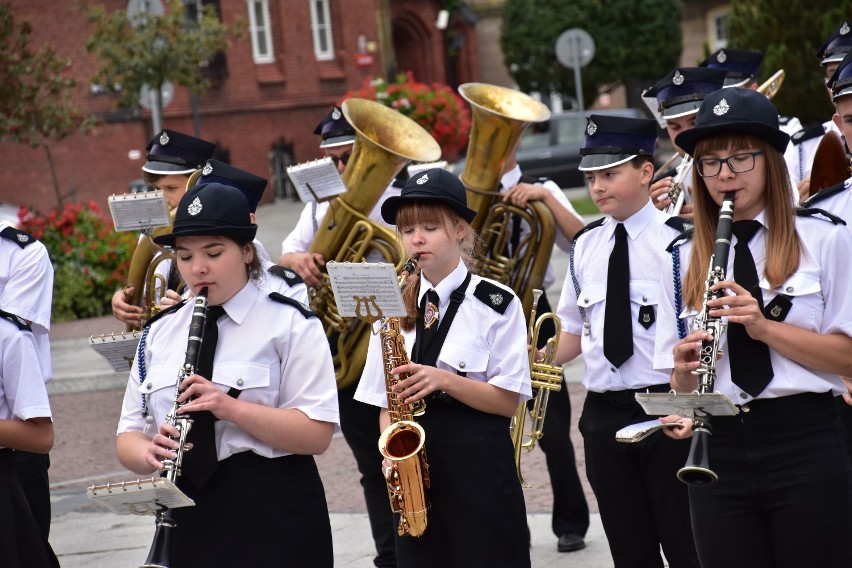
636,43
148,50
764,25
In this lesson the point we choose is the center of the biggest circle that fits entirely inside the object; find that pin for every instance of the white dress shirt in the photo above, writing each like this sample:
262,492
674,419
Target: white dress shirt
22,395
819,289
268,350
648,237
487,345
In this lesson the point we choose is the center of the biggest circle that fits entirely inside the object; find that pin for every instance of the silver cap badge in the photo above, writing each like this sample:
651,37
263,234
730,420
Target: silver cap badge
722,108
164,139
335,114
207,170
591,128
722,56
422,179
194,207
844,29
678,78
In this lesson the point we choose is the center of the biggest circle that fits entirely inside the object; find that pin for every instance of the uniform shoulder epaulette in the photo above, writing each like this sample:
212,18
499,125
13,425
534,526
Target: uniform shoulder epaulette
20,238
494,296
686,235
170,310
671,172
817,212
289,275
593,225
679,224
282,299
398,183
824,194
20,322
807,134
533,180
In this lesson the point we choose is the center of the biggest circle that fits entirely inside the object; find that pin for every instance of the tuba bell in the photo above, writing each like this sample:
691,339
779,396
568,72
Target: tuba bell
499,117
385,141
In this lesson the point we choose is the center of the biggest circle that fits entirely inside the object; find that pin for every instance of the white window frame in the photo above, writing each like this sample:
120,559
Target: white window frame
261,49
321,31
713,31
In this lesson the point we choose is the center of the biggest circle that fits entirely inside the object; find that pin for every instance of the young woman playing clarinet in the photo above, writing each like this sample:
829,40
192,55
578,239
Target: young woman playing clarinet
263,401
469,362
784,481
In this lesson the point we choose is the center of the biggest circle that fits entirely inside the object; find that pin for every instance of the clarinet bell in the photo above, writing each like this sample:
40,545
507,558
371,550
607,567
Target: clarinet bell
697,470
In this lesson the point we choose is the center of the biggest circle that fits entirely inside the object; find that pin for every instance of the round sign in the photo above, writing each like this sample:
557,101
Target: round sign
575,47
146,95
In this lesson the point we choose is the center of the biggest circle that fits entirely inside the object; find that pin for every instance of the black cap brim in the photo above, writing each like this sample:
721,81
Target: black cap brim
778,139
238,233
392,204
682,109
166,168
591,162
334,141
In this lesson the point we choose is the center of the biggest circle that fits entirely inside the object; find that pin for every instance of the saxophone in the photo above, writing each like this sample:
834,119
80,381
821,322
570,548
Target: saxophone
697,469
403,442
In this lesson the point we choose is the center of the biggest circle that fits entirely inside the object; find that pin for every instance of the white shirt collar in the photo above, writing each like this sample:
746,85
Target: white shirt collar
446,287
510,179
636,223
238,306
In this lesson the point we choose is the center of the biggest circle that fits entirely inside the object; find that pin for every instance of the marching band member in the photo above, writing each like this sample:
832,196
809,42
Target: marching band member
679,95
25,425
171,159
26,290
469,362
570,519
263,400
608,313
783,469
357,420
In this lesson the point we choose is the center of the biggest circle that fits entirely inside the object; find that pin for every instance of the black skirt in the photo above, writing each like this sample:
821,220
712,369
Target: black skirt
21,543
477,516
257,512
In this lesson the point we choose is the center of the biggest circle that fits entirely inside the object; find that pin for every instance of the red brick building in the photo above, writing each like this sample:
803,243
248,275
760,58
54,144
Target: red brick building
294,60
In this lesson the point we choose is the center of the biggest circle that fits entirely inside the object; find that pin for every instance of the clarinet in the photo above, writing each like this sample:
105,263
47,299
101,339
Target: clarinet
158,556
697,469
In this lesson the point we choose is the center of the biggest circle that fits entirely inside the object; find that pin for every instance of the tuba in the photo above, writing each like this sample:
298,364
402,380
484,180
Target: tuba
697,470
385,142
500,116
403,442
546,376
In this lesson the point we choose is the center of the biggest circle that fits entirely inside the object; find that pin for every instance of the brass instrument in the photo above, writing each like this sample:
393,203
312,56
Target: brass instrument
545,377
677,192
158,556
142,272
697,470
385,142
499,117
403,442
771,86
831,164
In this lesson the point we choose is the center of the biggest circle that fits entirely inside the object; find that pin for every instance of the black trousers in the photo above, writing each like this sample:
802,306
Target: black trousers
21,542
32,471
784,495
256,512
643,505
570,510
360,425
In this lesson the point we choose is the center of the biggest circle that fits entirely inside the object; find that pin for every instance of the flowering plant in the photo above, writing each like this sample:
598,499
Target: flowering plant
90,260
435,107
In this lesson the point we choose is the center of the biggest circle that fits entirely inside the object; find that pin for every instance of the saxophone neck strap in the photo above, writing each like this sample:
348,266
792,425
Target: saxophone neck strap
434,348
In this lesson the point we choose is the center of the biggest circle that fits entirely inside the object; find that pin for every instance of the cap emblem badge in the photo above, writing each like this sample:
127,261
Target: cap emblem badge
844,29
194,207
591,128
422,179
722,108
496,299
722,57
678,78
207,170
335,114
164,139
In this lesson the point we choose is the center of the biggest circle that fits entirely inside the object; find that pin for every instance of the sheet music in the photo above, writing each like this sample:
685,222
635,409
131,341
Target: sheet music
414,169
118,349
139,497
367,290
137,211
321,175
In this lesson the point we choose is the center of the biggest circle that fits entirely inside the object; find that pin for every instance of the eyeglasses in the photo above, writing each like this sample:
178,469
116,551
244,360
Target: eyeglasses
738,164
344,158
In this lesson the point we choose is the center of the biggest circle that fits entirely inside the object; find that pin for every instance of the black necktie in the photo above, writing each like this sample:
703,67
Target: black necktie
618,326
431,319
201,462
751,367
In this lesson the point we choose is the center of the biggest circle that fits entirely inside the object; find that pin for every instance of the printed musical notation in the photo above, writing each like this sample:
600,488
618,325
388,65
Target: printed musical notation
139,211
366,290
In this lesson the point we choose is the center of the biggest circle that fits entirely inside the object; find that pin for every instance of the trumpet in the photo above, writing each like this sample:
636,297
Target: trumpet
545,377
697,470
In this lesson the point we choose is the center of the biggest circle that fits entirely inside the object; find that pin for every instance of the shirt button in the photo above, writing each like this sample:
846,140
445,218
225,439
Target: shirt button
586,300
612,369
743,395
789,289
148,386
462,365
240,382
745,408
644,298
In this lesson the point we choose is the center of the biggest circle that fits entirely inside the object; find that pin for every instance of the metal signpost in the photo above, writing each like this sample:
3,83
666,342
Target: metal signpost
575,48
